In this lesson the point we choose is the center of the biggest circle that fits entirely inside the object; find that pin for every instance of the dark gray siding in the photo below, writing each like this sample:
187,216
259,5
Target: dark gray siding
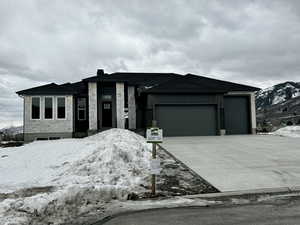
182,99
237,114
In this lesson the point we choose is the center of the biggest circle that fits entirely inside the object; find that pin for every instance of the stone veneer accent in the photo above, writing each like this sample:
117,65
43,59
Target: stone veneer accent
120,102
253,112
131,108
93,112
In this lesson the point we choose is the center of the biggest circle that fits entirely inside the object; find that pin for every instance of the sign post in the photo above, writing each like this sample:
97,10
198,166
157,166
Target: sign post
154,135
153,176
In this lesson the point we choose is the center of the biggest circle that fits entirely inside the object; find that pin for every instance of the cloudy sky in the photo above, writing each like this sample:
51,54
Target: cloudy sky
253,42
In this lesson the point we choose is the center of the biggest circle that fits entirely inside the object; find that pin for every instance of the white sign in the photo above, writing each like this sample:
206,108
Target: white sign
155,166
154,135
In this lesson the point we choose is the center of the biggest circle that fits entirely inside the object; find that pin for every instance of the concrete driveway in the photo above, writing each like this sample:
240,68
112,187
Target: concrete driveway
240,162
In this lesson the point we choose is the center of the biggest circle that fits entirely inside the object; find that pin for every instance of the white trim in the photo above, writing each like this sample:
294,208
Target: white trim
239,93
53,106
253,111
57,97
40,116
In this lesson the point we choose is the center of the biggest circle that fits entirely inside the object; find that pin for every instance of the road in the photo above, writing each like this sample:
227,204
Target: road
283,213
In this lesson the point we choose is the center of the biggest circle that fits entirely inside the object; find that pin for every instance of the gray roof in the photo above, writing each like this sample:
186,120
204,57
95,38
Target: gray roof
199,84
55,89
147,82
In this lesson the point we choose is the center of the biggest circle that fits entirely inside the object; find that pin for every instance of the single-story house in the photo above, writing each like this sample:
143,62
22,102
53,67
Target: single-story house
183,105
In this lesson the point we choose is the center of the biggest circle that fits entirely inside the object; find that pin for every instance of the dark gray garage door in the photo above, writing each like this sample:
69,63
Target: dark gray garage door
237,115
187,120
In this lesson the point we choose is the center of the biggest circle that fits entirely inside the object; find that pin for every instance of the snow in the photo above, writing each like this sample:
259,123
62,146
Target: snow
93,170
278,99
289,131
296,93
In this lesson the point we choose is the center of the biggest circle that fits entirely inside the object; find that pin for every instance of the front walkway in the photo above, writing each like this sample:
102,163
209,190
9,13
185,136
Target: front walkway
240,162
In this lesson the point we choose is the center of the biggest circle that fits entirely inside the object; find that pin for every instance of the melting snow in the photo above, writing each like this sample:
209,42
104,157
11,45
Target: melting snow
96,169
289,131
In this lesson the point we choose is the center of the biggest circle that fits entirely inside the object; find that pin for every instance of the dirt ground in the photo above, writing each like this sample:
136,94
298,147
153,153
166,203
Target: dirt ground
177,179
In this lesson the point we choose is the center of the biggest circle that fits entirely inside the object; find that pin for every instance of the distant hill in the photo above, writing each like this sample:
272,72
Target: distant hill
279,104
12,130
277,94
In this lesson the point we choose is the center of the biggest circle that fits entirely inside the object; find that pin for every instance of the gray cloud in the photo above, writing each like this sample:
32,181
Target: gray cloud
254,42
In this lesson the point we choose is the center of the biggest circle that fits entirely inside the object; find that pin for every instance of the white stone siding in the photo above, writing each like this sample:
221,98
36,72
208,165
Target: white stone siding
48,125
253,112
120,103
131,108
93,121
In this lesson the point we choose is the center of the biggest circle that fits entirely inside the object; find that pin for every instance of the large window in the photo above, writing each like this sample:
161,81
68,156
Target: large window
48,108
35,107
81,102
61,108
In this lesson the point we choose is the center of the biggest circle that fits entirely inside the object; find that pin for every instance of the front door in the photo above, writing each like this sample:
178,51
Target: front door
106,114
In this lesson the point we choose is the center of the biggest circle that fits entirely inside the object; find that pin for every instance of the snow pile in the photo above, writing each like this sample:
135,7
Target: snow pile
82,175
289,131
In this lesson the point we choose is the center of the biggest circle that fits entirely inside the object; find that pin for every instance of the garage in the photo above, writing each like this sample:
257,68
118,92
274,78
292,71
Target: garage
187,120
236,114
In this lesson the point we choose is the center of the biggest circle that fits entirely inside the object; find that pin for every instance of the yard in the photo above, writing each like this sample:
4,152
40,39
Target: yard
79,181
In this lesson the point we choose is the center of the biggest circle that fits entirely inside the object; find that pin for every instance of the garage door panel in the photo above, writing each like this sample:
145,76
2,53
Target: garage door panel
187,120
237,115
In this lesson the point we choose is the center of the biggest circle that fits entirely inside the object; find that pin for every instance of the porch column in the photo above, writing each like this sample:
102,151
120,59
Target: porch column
253,112
120,102
93,108
131,108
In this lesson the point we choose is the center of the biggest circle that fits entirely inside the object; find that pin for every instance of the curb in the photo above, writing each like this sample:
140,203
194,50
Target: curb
227,194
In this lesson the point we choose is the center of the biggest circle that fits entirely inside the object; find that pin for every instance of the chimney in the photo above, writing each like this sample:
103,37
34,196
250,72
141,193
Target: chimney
100,72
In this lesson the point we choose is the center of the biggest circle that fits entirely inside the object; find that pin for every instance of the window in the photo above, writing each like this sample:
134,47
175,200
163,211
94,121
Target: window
35,107
61,108
81,108
48,108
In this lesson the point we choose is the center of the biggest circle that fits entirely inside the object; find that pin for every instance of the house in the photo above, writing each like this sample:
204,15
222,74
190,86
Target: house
183,105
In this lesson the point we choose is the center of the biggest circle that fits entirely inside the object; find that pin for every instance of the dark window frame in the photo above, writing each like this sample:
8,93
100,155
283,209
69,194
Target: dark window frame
52,115
31,109
57,108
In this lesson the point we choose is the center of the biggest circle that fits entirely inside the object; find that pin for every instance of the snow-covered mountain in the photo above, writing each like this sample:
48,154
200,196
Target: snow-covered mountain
279,105
277,94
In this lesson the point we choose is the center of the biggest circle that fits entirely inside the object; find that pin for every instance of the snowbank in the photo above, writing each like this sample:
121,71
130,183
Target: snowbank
289,131
84,173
